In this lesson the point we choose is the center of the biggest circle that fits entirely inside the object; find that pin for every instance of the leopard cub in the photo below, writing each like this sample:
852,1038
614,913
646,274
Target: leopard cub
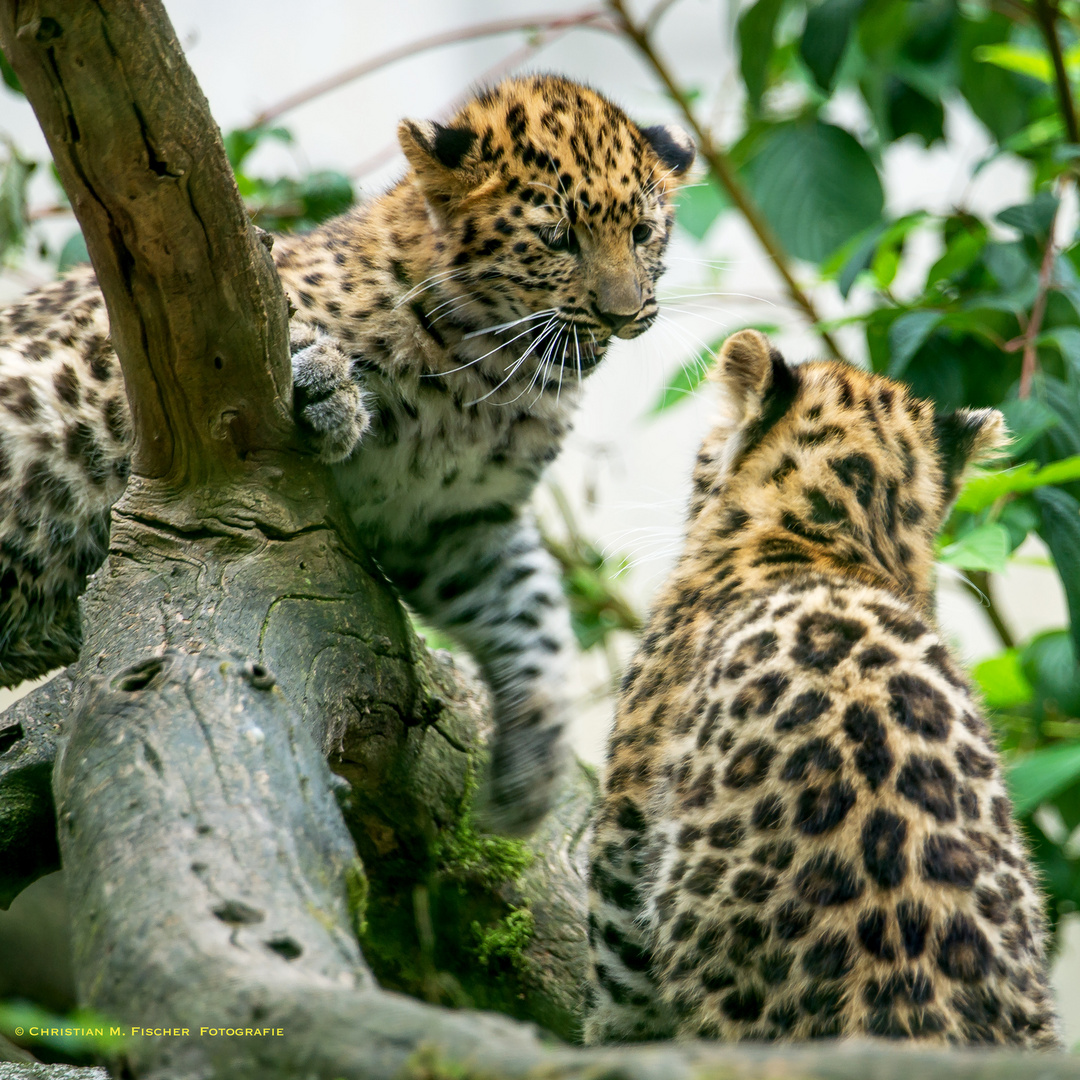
804,831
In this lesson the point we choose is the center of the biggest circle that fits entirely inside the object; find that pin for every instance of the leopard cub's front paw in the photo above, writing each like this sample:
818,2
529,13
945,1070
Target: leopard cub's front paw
328,403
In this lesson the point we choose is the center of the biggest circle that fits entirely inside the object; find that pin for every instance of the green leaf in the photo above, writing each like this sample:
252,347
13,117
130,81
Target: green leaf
15,175
757,26
960,255
325,195
986,547
1034,63
73,253
689,376
698,206
1067,340
1002,682
862,251
1033,218
240,142
825,38
1061,532
7,73
907,335
912,112
816,186
984,490
999,98
1050,666
1039,775
1028,420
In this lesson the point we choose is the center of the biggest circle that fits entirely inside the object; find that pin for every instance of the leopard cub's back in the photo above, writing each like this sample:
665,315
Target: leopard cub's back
804,831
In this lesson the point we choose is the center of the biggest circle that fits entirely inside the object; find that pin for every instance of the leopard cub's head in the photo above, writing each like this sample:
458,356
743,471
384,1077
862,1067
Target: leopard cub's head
825,466
552,210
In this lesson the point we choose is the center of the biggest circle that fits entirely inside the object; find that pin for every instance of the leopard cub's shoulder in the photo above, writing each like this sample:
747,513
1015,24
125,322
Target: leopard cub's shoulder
804,829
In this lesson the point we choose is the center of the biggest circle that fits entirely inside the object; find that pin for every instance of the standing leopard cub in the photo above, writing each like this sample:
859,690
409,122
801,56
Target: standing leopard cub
804,831
441,335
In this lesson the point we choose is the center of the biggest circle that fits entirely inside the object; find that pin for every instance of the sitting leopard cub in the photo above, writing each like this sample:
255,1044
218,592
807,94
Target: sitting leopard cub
804,831
441,335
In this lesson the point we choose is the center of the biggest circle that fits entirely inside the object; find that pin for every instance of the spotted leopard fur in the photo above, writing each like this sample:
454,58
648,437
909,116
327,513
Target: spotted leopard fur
803,830
440,338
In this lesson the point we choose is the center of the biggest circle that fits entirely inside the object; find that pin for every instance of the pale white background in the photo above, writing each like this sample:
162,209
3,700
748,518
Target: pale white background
626,476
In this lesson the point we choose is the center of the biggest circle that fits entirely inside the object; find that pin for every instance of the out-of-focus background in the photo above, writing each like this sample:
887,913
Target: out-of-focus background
914,164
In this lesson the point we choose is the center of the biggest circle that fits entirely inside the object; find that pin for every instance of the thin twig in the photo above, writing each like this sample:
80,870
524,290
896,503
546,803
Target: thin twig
1046,16
1038,309
534,23
724,171
491,75
652,20
978,584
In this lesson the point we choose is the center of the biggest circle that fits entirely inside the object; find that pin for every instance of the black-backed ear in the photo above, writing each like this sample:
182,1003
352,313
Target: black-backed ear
749,370
672,146
966,437
439,154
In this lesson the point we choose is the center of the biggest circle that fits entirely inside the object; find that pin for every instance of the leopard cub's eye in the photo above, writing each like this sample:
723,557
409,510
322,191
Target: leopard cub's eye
642,233
561,239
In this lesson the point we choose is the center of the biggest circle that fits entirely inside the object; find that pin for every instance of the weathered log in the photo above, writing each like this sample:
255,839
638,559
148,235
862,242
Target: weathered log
28,730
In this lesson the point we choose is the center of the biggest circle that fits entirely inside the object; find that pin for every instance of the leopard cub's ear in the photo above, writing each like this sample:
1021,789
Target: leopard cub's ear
966,437
672,146
749,371
440,157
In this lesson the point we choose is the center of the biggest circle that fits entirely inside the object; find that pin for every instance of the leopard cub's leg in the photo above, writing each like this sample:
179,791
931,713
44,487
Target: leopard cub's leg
626,1003
493,587
328,400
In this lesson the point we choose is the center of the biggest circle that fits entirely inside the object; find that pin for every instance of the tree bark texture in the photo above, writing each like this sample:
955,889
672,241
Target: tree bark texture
28,731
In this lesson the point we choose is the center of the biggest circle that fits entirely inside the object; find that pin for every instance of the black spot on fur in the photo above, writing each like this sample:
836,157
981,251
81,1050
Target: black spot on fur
820,810
927,782
828,880
949,861
919,707
873,758
874,656
792,921
754,886
749,764
857,472
829,957
913,919
883,837
972,763
759,695
768,813
774,967
824,639
726,833
805,709
963,953
873,928
744,1004
817,754
704,878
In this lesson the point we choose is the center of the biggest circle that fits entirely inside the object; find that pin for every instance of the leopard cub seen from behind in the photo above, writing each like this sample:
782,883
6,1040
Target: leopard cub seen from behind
804,831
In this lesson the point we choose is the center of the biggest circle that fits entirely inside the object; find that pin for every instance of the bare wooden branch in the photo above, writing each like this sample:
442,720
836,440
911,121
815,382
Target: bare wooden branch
197,314
28,731
544,23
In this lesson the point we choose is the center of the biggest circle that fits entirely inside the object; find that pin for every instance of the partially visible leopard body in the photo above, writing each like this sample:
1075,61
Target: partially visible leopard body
803,830
440,338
